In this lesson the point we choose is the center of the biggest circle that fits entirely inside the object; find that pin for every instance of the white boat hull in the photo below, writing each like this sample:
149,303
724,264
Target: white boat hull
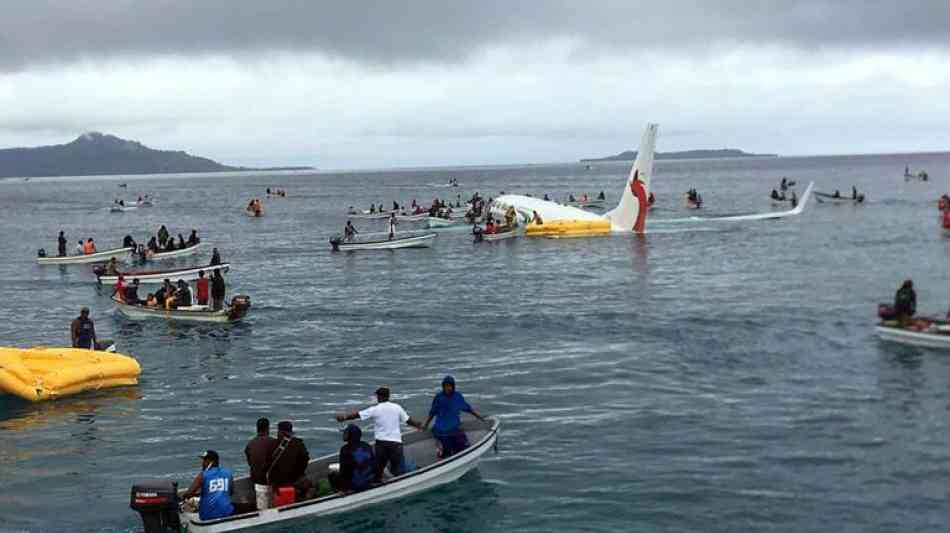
913,338
425,478
120,254
187,274
517,232
437,222
174,254
421,241
194,314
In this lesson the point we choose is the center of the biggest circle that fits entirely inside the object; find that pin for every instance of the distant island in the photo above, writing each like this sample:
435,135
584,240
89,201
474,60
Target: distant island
630,155
95,153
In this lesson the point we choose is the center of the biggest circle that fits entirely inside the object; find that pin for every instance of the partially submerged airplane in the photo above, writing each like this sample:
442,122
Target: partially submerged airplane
630,215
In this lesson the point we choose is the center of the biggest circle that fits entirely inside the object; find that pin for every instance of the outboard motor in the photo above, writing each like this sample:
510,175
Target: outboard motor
886,312
157,501
41,252
335,242
239,306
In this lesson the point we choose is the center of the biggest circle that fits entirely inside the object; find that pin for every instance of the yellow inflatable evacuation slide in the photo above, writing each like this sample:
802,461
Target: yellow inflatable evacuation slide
38,374
569,228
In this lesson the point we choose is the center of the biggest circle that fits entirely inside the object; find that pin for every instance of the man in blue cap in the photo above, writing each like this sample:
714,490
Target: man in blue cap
215,485
447,406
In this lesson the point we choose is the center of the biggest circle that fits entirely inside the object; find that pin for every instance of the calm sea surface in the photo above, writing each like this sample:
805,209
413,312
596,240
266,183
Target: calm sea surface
703,377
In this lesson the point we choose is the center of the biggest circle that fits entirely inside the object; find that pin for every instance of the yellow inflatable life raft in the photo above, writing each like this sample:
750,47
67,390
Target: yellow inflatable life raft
37,374
569,228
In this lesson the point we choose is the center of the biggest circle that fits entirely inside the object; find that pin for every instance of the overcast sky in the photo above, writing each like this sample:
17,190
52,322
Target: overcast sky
352,84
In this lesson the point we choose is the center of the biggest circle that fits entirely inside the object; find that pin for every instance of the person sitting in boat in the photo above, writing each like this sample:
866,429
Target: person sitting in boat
536,218
570,198
854,192
905,303
387,418
349,232
510,215
601,196
163,292
181,242
837,194
447,407
372,209
193,238
89,247
260,453
151,300
112,267
392,226
357,462
130,294
546,197
784,184
80,249
215,486
183,294
128,242
775,194
289,464
395,206
490,228
152,245
83,331
118,290
651,199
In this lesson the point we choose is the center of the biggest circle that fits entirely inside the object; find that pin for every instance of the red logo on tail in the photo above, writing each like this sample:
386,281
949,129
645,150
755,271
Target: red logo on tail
636,187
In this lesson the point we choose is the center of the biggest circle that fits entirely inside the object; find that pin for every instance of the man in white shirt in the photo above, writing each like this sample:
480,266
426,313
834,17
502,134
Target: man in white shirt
387,420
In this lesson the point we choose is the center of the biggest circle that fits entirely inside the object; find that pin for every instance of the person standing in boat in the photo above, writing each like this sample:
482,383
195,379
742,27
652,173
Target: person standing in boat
536,218
61,244
289,463
193,238
392,226
83,331
118,290
260,452
357,462
387,418
905,303
130,294
202,288
215,257
349,232
854,192
217,290
214,485
162,235
447,407
784,184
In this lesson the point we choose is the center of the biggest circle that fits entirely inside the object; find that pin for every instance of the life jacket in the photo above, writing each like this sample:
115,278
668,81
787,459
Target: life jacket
215,494
88,248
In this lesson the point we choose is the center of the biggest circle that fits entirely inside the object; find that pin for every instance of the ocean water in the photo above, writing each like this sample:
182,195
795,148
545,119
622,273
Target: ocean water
706,376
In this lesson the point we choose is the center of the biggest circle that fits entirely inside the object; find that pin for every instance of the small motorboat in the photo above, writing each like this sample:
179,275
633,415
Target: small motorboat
157,501
236,310
480,235
412,218
825,198
925,333
157,276
37,374
369,216
120,254
413,241
921,175
173,254
590,204
439,222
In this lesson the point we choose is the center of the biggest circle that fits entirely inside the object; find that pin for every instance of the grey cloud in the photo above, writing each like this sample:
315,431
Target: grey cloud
40,32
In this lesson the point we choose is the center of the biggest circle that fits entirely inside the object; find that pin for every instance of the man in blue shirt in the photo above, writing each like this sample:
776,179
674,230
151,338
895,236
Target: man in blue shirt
447,407
215,485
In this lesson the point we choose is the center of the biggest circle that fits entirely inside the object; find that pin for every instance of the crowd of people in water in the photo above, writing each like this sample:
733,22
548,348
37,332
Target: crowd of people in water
278,465
255,207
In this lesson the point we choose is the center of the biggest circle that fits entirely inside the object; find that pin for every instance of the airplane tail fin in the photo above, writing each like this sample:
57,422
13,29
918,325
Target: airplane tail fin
631,213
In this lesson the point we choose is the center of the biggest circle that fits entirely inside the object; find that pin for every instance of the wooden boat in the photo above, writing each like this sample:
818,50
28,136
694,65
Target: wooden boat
173,254
414,241
120,254
236,310
153,498
157,276
823,198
